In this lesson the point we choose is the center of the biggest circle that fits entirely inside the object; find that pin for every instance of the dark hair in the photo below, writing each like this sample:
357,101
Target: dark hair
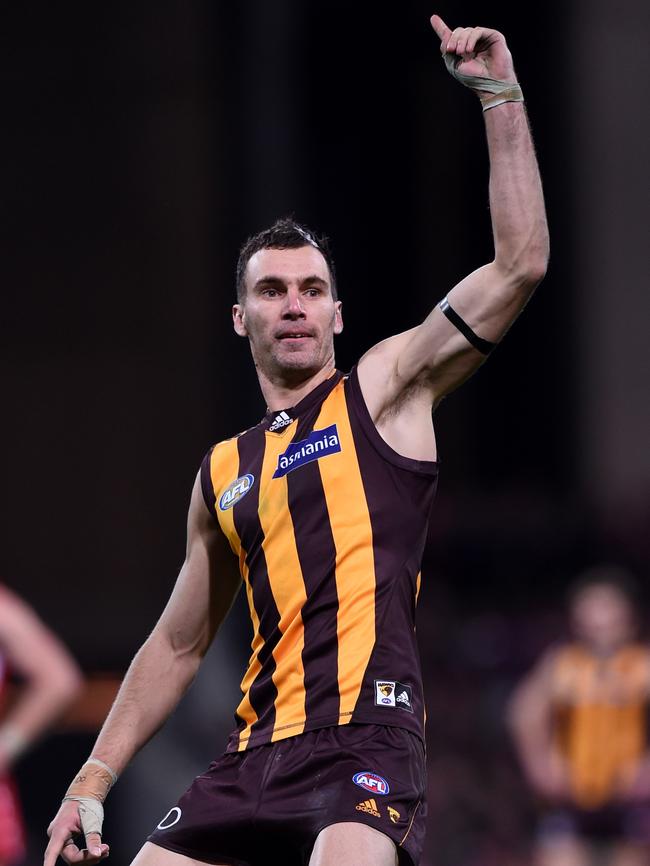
284,234
606,574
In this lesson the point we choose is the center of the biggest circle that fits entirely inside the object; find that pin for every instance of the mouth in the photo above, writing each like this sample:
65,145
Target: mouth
294,335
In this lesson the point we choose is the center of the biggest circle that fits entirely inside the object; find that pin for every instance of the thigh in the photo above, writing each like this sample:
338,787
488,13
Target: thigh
154,855
352,842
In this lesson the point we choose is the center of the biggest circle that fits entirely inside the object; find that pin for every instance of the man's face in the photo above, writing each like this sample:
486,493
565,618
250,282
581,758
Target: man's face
602,617
289,314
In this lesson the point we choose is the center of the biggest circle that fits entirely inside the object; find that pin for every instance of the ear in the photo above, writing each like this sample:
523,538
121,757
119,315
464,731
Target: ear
338,317
239,320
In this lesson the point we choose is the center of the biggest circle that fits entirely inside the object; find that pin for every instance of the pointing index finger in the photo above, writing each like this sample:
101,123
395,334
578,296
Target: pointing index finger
55,847
442,31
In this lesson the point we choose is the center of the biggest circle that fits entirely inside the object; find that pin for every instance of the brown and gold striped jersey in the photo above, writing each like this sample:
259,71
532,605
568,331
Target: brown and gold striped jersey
329,525
601,706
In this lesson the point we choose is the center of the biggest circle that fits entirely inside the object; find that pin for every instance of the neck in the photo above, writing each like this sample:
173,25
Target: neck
286,390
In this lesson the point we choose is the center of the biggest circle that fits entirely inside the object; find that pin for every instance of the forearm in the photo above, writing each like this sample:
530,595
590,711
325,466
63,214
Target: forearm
516,197
158,677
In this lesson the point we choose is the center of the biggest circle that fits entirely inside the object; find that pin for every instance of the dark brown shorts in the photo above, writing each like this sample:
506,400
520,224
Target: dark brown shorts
268,804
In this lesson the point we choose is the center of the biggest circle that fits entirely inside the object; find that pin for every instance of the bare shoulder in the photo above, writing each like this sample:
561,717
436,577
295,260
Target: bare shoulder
385,385
400,405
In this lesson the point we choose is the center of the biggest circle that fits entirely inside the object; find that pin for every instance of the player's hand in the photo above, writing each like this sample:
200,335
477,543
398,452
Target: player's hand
478,51
65,825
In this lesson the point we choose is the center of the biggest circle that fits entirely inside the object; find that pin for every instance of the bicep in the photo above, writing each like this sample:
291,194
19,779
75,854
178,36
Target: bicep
206,585
438,354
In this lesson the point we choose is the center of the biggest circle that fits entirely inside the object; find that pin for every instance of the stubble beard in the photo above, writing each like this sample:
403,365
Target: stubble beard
292,367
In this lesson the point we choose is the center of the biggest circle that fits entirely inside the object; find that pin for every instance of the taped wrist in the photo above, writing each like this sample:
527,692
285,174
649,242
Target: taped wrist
94,780
499,91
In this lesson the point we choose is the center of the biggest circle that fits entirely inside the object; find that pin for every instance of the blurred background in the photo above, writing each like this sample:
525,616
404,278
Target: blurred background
143,143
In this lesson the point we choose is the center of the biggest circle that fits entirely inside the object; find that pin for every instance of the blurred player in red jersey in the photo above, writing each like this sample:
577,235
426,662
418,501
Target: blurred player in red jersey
580,725
51,682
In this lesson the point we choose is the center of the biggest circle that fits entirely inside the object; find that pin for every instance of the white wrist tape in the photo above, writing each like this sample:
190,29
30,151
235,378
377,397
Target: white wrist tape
502,91
91,814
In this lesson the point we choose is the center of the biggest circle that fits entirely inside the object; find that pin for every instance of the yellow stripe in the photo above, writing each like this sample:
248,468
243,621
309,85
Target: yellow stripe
418,583
355,564
245,709
224,469
288,588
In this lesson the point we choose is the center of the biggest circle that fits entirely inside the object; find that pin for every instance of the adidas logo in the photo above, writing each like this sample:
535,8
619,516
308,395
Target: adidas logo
281,420
403,698
369,806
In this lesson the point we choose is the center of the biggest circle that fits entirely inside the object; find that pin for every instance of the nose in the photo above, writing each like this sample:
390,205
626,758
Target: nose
292,308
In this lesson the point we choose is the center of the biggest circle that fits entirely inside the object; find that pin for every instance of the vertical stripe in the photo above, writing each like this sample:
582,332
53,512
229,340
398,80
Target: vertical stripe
258,705
351,528
224,469
418,583
288,588
317,557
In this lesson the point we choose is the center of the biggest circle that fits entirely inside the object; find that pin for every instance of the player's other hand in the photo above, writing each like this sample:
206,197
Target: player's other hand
65,825
478,50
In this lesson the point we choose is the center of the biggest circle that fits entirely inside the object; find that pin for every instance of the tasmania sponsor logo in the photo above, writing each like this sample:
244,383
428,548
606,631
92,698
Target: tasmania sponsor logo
236,491
319,443
371,782
390,693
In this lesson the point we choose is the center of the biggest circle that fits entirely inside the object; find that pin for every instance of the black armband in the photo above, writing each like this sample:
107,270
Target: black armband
483,346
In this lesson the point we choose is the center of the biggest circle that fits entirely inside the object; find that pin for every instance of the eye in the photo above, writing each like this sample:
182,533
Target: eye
270,293
313,292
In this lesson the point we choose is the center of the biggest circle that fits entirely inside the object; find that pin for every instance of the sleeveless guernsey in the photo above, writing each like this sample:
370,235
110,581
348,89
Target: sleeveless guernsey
329,526
601,707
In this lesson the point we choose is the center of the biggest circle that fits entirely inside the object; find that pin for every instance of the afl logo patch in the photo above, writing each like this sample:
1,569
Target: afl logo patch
236,491
371,782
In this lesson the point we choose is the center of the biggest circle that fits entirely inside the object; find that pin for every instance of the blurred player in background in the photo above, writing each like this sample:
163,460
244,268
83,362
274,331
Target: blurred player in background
580,726
51,681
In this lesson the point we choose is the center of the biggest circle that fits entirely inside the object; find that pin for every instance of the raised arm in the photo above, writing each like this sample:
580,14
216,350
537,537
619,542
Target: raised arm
452,342
158,677
51,677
